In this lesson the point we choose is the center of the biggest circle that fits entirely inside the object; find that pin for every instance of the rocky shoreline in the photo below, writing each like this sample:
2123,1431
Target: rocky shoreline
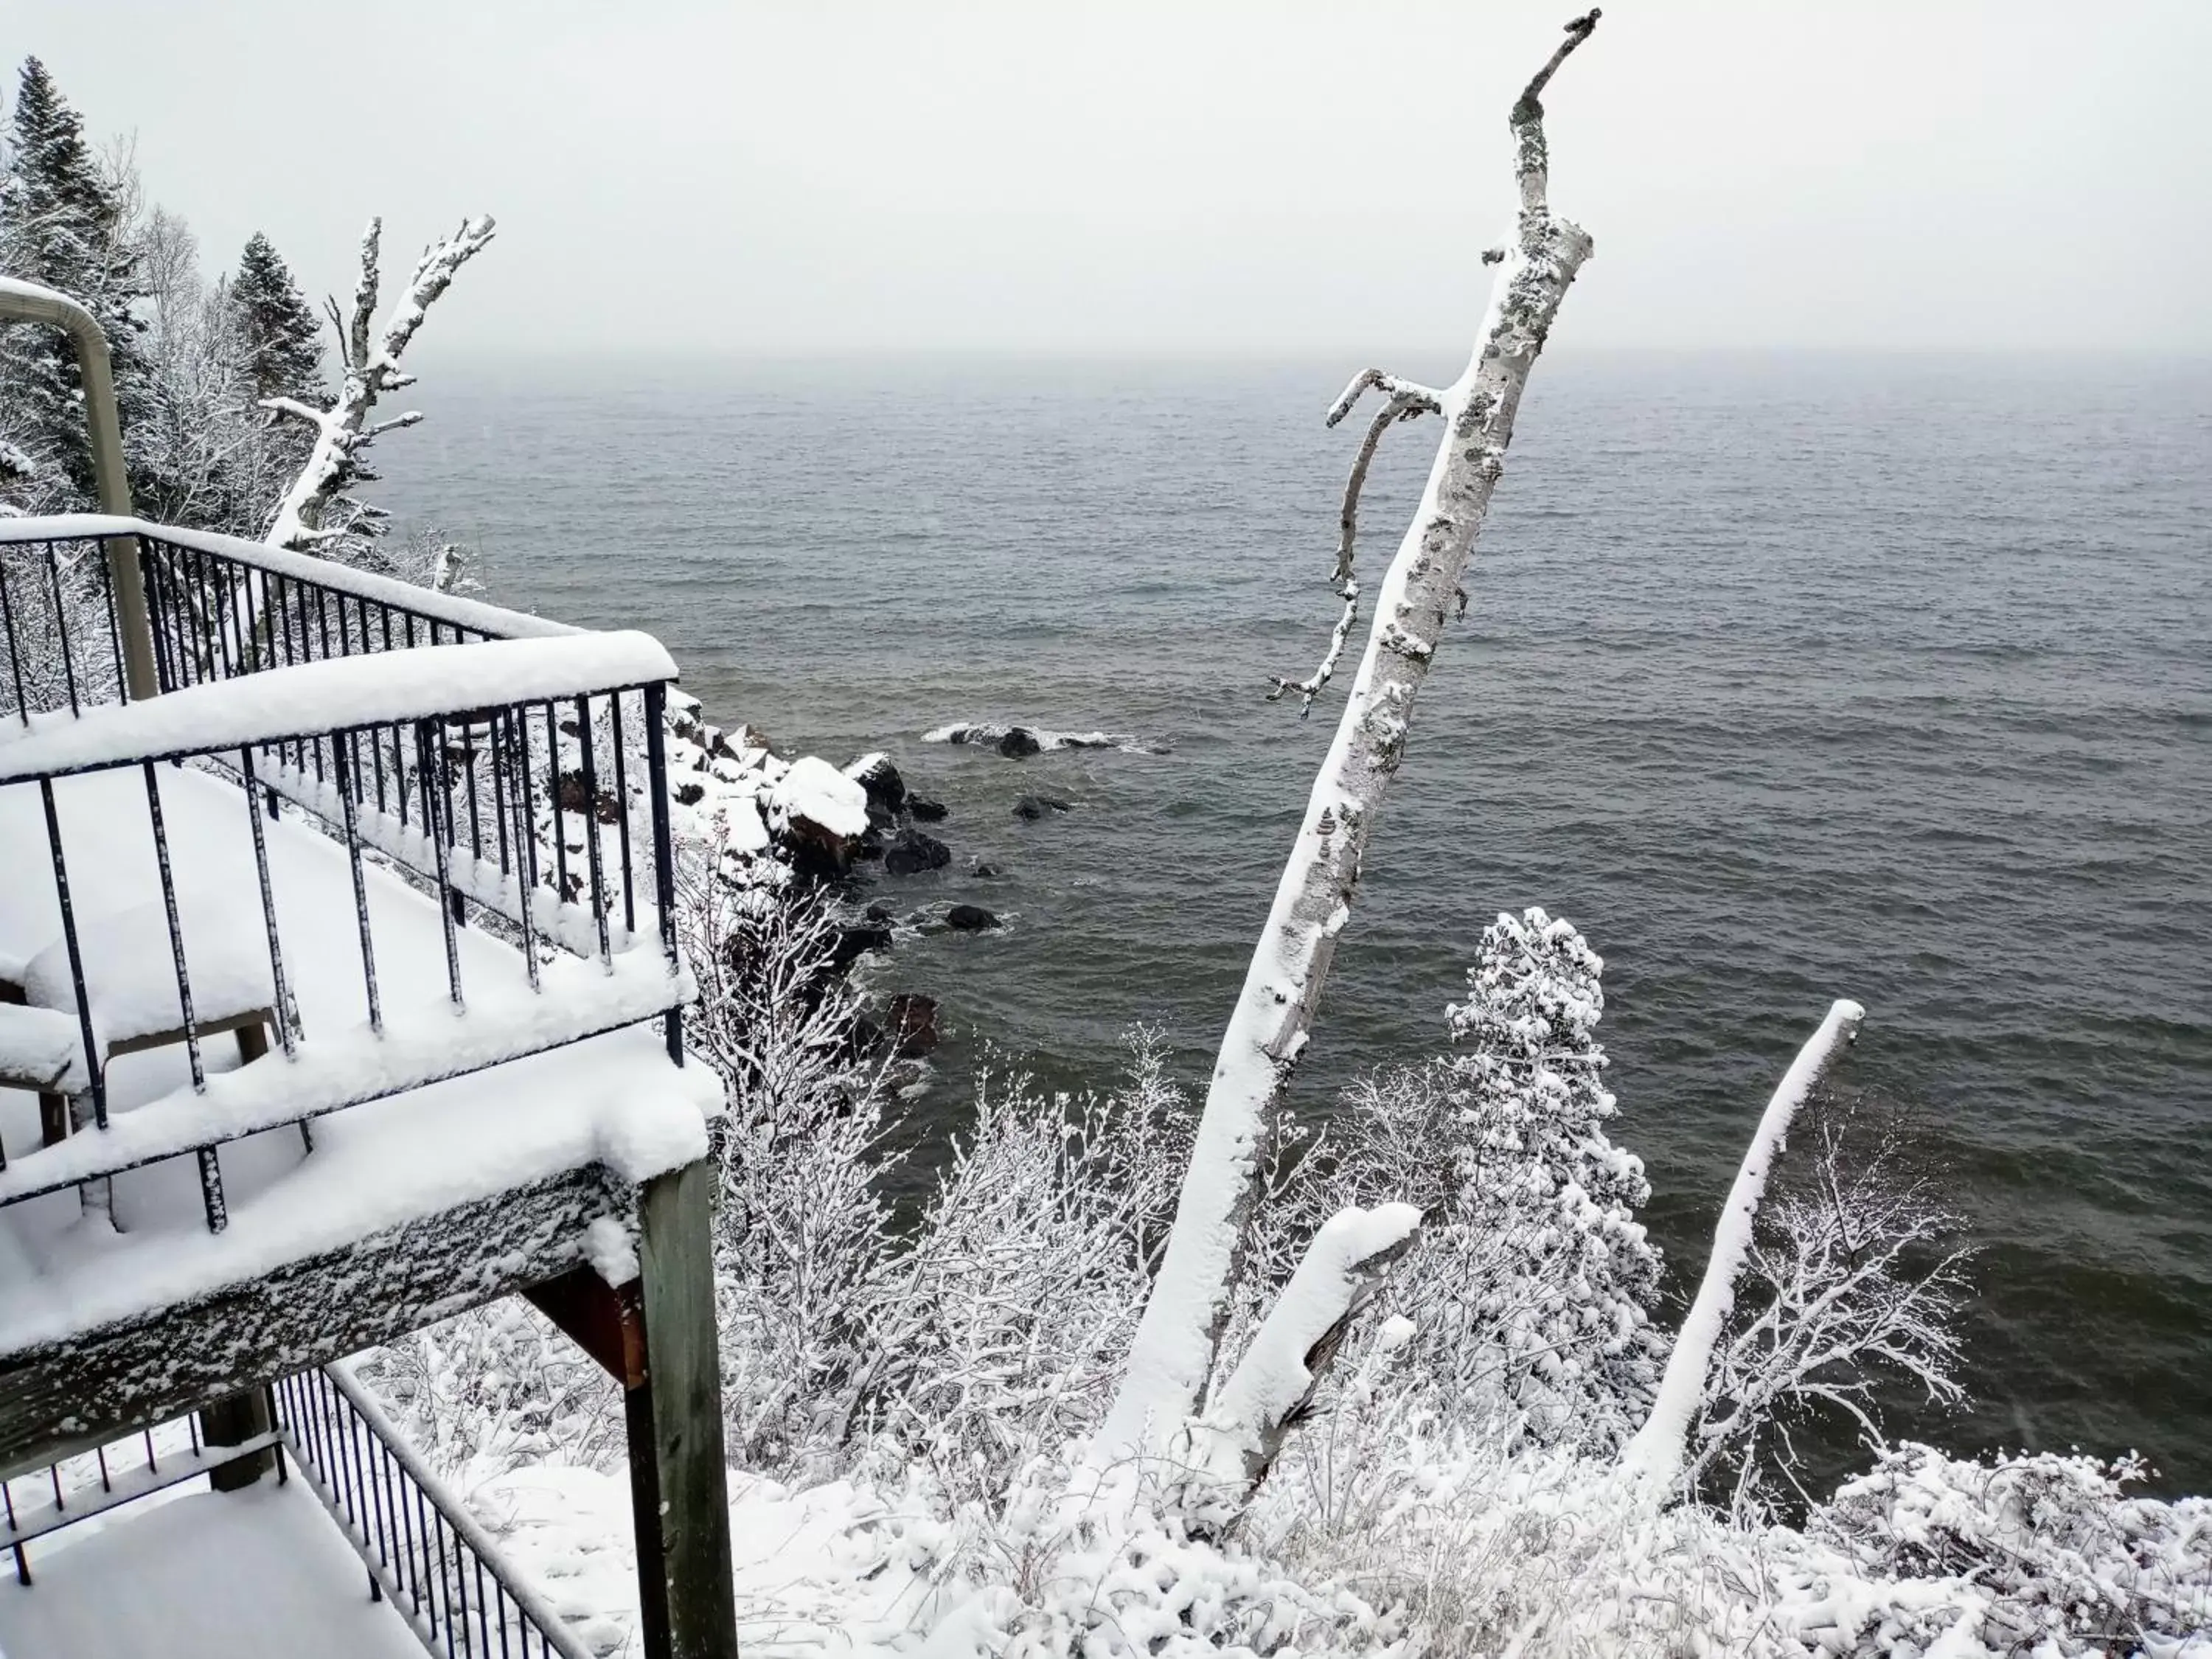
841,830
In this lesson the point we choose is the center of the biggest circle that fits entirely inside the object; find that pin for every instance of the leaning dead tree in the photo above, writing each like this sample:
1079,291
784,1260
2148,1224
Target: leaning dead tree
370,358
1174,1349
1655,1456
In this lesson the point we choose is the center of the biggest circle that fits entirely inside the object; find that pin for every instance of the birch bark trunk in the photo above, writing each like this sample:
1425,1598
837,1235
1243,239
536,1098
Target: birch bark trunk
1173,1351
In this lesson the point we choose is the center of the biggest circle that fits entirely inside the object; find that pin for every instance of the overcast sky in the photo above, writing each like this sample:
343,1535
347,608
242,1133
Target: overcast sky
1274,178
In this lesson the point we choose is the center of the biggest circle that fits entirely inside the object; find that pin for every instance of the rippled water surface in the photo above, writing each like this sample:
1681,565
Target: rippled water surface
1783,679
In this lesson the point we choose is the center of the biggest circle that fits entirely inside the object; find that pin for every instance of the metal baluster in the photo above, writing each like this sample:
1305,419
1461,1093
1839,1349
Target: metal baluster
157,619
286,1012
495,732
61,628
176,927
468,772
622,798
97,1072
360,901
592,831
15,650
446,894
413,1582
98,551
209,630
375,749
664,861
440,1583
553,785
527,842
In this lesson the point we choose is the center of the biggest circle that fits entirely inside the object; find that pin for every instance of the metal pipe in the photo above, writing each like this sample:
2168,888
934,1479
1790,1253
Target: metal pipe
28,302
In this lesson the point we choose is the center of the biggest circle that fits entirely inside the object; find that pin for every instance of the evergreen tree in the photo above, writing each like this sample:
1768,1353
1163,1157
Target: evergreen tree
278,332
62,224
1531,1284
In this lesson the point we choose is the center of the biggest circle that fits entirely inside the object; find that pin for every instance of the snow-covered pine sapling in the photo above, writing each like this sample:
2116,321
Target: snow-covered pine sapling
1655,1456
1174,1351
370,359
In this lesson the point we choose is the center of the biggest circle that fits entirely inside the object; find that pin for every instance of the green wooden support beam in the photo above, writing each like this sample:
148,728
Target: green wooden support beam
680,1492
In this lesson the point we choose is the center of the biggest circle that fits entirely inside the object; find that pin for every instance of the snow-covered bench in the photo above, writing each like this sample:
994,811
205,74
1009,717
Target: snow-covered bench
132,998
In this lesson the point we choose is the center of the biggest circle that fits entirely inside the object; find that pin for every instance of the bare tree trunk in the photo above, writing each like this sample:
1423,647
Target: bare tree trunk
1236,1443
1654,1456
1174,1349
372,367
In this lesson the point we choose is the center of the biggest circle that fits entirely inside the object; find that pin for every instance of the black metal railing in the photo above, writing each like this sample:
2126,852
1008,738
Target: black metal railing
425,1552
516,818
64,1494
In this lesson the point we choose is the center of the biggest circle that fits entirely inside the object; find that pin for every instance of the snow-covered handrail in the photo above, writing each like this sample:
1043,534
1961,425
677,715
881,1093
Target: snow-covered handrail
493,620
336,694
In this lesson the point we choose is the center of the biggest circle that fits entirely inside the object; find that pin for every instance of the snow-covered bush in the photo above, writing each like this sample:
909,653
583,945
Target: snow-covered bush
2057,1557
997,1333
1848,1287
497,1388
802,1234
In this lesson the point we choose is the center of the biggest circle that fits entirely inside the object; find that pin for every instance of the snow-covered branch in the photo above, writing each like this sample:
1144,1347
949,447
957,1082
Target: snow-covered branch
1173,1353
1421,399
1655,1454
372,368
1233,1445
1403,406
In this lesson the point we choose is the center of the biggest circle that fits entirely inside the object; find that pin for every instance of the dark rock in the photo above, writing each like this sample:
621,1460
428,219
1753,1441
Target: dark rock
910,1023
970,918
881,913
926,812
913,852
856,939
1019,742
886,789
573,796
691,794
986,871
1031,808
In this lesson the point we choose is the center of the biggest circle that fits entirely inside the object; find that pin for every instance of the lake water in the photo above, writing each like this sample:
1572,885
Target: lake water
1783,679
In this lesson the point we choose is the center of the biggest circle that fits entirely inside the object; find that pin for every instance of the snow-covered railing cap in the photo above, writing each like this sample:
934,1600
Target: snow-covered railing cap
311,699
477,618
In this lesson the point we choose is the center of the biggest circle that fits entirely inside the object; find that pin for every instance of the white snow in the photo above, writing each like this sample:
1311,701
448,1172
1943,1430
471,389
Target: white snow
817,793
612,1099
987,733
201,1575
39,1049
1272,1377
344,692
131,972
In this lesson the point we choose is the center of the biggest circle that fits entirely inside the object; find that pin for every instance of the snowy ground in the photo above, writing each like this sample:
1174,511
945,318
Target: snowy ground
613,1099
201,1576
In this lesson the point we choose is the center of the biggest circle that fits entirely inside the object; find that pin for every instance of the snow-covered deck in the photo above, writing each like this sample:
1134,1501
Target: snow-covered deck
192,1574
613,1099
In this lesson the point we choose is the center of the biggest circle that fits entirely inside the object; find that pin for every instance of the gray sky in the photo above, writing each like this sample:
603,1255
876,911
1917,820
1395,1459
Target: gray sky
1281,176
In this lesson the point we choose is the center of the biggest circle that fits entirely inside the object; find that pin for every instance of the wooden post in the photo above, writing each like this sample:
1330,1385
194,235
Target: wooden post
232,1422
678,1492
